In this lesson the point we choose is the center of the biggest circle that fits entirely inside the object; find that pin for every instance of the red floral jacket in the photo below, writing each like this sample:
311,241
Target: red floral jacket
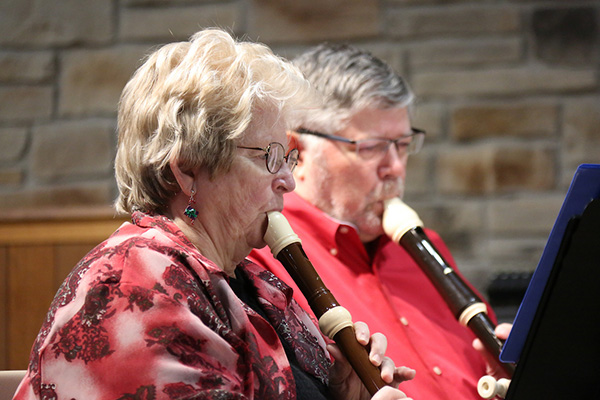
145,316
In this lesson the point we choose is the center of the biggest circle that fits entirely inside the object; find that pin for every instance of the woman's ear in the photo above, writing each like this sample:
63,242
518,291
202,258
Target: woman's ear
185,179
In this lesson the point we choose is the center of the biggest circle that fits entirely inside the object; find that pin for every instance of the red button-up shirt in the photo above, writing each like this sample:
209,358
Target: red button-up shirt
393,296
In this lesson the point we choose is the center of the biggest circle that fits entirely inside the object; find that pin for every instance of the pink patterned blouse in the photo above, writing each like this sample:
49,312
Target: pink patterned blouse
145,316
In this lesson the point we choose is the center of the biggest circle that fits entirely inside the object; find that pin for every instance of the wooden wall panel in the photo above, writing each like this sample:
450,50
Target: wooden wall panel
37,251
31,289
3,301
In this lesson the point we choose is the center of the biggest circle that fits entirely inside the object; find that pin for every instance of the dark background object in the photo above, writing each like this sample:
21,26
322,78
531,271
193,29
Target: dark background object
505,293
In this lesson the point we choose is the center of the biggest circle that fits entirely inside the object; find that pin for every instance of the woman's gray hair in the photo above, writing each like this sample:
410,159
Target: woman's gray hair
192,101
350,79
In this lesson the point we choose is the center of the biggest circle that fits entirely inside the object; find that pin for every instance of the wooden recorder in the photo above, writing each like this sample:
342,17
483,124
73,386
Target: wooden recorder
403,226
334,320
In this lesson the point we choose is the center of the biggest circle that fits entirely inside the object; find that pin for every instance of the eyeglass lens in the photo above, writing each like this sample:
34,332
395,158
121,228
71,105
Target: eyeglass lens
276,156
377,147
371,148
292,159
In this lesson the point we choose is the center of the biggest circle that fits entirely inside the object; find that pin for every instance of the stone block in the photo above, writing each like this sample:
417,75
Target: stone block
460,224
12,144
495,169
581,129
83,194
444,53
515,119
274,21
92,80
30,67
394,56
55,23
452,217
506,81
430,116
522,168
524,216
72,149
177,23
23,103
442,21
162,2
421,2
418,175
10,177
515,255
567,35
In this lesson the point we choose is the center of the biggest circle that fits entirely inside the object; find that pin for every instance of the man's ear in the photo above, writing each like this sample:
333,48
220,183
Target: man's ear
294,142
185,179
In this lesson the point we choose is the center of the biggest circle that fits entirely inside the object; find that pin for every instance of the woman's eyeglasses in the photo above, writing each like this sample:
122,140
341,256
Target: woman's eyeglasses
275,156
372,148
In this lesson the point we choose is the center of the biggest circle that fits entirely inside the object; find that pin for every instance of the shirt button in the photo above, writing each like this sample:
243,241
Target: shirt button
333,251
404,321
344,229
437,370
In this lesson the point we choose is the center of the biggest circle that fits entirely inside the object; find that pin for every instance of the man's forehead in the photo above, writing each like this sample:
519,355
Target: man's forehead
385,123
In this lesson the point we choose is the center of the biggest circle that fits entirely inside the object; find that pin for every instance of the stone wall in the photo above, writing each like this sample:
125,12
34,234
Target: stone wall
507,90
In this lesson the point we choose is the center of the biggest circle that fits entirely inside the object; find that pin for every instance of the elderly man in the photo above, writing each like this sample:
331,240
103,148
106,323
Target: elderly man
353,155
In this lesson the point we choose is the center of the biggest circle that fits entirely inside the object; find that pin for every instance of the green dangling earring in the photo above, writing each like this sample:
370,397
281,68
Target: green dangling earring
190,211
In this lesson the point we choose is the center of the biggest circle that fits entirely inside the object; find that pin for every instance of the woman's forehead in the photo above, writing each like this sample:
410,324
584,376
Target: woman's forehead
267,125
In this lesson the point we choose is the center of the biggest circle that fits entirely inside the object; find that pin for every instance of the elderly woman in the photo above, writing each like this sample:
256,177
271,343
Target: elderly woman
168,307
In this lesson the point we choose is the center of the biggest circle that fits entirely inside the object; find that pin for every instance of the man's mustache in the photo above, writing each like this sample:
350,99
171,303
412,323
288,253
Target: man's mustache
389,188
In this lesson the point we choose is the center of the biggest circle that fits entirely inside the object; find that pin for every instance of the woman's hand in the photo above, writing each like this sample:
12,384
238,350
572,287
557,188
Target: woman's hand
345,384
493,367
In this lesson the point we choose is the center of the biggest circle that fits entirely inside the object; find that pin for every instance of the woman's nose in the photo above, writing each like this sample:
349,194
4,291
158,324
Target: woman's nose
284,179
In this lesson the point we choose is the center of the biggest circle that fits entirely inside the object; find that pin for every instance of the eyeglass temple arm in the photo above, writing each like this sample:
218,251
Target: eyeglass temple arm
326,136
415,131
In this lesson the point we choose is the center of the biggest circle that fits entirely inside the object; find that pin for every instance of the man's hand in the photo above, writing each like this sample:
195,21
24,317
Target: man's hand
493,367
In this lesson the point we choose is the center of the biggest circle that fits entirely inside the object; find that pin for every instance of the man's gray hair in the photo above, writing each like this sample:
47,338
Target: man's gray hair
350,79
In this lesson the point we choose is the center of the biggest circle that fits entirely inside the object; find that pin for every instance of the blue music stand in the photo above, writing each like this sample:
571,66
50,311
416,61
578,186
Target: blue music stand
555,336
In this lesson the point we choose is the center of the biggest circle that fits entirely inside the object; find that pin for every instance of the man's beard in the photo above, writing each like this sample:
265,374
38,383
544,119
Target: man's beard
368,221
390,188
364,213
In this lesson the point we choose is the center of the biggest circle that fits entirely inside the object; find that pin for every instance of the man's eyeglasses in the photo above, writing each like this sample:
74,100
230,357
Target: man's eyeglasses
372,148
275,156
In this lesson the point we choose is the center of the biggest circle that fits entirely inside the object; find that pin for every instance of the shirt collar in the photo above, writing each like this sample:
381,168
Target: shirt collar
305,213
338,236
